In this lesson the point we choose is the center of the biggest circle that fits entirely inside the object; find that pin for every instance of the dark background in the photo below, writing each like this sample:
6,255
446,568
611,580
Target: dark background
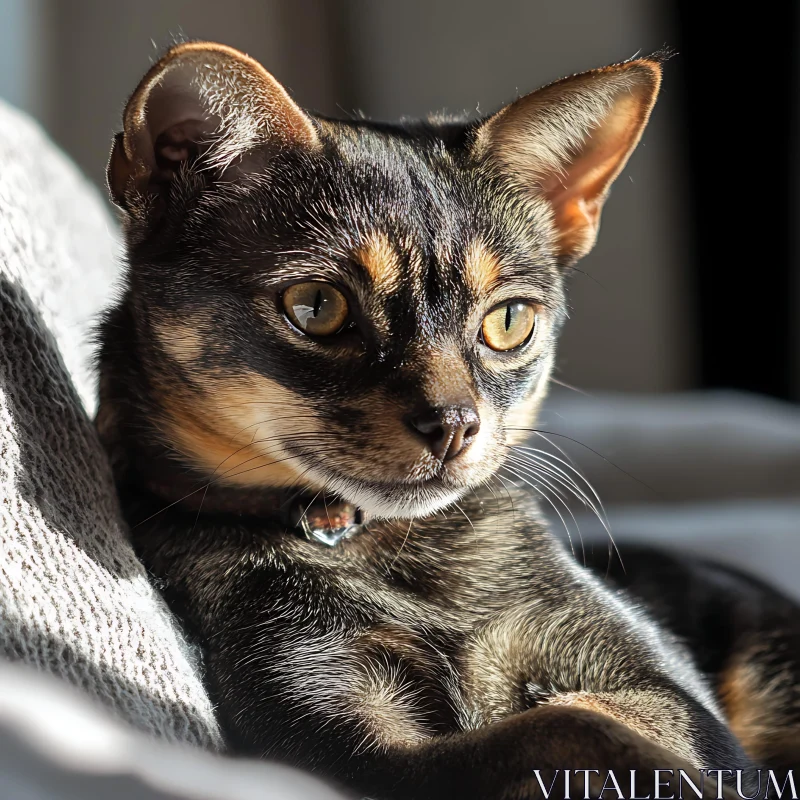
694,283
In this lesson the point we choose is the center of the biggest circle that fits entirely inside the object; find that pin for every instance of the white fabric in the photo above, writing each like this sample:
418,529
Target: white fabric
54,744
74,600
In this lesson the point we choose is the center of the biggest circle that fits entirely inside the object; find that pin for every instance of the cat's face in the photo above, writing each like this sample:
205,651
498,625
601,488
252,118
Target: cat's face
378,319
365,309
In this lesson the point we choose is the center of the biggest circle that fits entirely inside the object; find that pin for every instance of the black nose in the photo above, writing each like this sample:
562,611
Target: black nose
447,430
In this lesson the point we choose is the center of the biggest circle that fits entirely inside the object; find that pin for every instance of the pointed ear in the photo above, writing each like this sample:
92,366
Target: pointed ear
201,100
568,142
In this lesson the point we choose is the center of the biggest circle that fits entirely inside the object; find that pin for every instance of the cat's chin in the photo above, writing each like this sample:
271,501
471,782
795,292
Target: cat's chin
393,501
405,508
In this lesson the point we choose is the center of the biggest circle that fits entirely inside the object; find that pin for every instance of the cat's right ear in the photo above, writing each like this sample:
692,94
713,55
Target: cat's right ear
202,105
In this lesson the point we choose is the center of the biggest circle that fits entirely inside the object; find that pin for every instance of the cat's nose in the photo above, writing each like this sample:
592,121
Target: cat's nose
447,430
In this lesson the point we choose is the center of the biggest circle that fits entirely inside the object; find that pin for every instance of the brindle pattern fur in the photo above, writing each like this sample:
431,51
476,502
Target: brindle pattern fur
433,655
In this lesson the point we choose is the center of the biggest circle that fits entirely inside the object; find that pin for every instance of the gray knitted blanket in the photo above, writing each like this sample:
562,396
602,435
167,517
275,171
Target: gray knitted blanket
74,600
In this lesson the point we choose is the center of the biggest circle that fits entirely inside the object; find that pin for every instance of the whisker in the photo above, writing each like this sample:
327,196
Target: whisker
563,478
602,518
536,475
591,450
294,483
324,503
569,463
524,462
197,518
569,386
255,403
269,421
466,516
543,454
475,494
402,545
544,495
264,466
313,499
488,484
567,457
510,497
264,440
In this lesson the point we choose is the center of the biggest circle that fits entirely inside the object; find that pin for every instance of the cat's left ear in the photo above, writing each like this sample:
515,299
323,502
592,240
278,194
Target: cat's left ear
568,142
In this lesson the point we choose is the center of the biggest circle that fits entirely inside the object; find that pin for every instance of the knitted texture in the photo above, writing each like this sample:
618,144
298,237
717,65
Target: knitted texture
74,600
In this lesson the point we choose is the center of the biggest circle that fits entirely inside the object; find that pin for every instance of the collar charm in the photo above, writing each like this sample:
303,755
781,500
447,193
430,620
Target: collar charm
328,523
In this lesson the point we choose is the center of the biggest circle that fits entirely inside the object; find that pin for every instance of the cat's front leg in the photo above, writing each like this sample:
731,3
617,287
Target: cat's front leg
353,713
548,751
584,651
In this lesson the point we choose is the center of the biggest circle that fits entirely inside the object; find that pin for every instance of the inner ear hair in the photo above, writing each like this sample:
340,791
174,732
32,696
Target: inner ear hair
200,102
568,142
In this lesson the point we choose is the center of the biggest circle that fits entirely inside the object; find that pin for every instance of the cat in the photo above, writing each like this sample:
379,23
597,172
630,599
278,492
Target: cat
330,337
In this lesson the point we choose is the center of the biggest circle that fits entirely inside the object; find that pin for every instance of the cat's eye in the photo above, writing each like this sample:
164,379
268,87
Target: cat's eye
508,326
316,308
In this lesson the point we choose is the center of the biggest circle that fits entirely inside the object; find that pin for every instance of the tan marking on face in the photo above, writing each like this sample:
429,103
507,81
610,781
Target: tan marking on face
416,266
393,453
447,381
758,708
230,430
481,268
236,428
181,339
381,261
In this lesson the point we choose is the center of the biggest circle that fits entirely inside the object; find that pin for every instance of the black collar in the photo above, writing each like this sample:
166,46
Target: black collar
318,518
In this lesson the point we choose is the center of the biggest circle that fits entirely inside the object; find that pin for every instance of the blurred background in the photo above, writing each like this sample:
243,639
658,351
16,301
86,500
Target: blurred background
695,281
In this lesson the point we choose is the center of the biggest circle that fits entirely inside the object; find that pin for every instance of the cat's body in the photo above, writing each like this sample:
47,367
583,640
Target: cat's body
381,643
324,312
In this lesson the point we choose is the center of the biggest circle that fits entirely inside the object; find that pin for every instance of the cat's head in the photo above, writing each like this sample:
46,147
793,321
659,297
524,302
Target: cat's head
368,308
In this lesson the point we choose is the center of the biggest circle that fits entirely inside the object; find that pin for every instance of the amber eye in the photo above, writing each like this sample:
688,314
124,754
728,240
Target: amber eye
509,326
316,308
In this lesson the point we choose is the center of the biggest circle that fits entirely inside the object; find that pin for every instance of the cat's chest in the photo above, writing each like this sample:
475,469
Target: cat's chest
441,582
418,635
427,583
412,638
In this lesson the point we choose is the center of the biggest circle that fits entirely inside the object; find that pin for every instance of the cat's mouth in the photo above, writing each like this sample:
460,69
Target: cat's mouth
423,487
393,499
330,519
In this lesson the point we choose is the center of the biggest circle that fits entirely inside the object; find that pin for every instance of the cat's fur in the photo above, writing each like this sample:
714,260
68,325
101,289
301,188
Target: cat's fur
432,654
